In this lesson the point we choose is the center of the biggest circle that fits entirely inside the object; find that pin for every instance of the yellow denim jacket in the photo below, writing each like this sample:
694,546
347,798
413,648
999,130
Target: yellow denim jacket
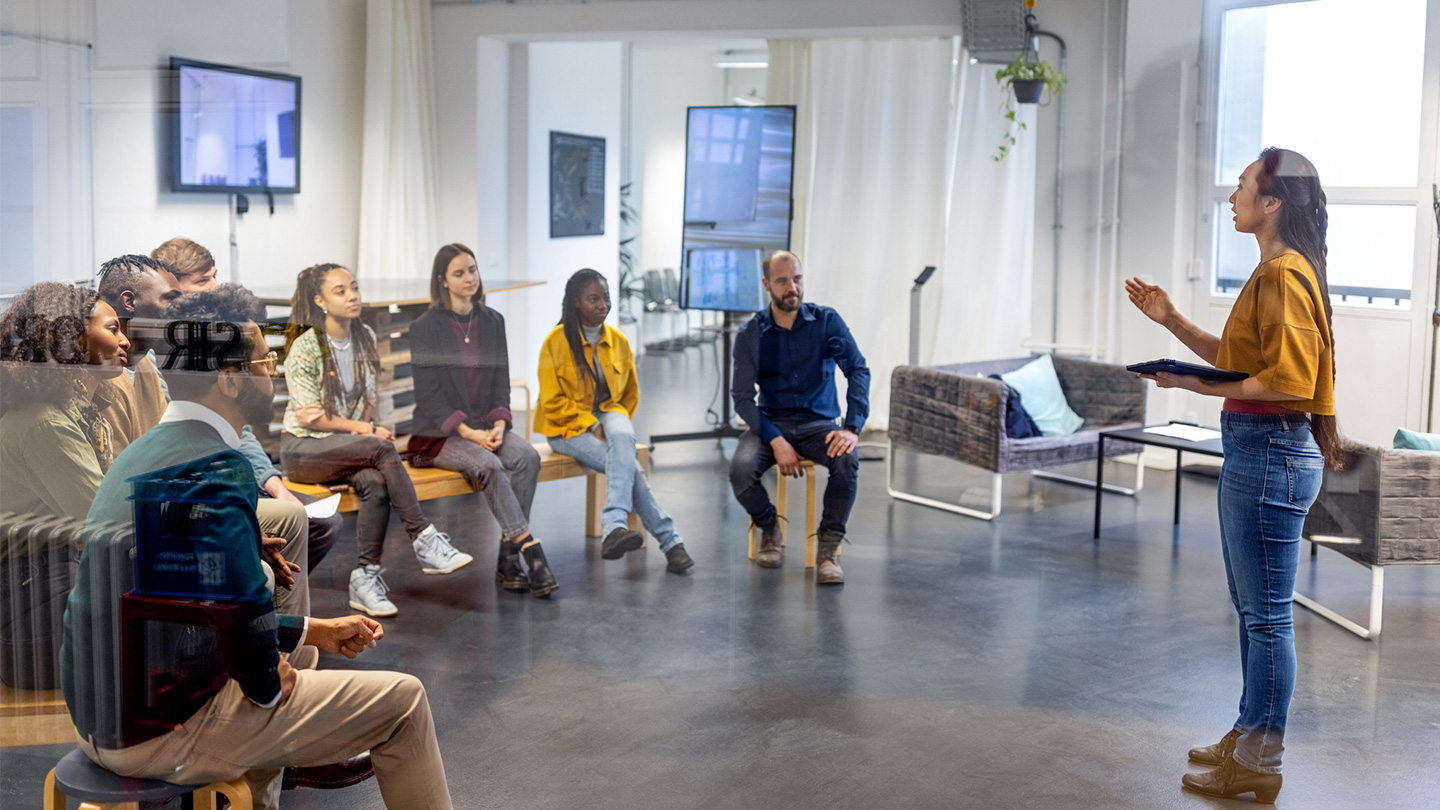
567,394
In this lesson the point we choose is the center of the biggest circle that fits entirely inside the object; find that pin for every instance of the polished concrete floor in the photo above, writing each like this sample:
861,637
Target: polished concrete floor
964,664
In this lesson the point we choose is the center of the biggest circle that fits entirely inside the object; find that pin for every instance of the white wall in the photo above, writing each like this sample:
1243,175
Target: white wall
1095,48
671,19
666,79
321,40
574,87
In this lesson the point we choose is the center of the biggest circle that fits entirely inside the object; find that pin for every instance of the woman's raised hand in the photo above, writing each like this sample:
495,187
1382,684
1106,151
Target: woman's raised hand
1150,299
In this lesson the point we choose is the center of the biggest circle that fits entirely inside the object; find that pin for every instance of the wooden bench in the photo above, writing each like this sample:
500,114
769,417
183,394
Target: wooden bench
433,482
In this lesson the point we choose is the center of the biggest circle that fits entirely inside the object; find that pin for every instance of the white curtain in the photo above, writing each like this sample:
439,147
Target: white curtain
985,279
787,81
900,176
398,203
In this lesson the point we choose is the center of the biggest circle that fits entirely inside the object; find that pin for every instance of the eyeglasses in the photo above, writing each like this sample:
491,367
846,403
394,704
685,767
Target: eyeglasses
270,364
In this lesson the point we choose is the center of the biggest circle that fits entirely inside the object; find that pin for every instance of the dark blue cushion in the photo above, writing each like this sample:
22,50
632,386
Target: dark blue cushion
1018,424
82,779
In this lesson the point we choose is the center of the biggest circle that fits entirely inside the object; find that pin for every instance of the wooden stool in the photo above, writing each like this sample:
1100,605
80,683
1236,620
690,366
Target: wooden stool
99,789
807,471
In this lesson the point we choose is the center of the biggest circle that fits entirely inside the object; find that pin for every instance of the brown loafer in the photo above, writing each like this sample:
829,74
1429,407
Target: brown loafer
1231,780
329,777
770,554
1217,753
827,561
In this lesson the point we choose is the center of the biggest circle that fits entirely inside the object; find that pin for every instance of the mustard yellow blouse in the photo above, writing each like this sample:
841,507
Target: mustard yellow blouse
567,396
1277,333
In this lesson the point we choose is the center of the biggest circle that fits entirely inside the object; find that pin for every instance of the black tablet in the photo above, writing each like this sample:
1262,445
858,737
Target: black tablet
1187,369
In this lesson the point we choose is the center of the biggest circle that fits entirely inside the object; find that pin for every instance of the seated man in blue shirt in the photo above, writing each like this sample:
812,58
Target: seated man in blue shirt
790,350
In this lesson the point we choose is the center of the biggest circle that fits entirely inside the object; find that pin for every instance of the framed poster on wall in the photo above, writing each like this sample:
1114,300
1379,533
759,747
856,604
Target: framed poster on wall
577,185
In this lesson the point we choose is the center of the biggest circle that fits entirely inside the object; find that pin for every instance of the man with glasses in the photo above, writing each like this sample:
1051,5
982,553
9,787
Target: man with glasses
252,703
294,540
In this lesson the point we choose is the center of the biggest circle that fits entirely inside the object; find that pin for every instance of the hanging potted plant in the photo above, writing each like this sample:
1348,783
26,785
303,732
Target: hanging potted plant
1027,80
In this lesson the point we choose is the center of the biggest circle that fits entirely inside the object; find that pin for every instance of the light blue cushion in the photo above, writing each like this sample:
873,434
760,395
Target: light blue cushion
1411,440
1042,398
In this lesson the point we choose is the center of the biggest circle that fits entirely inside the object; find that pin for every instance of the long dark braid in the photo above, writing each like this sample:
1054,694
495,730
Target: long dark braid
1293,180
570,317
305,314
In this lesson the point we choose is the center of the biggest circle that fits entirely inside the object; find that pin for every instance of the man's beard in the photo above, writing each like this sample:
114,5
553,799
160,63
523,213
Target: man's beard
255,405
787,304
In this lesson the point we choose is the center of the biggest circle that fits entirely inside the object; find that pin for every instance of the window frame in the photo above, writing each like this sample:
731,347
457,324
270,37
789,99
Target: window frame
1211,193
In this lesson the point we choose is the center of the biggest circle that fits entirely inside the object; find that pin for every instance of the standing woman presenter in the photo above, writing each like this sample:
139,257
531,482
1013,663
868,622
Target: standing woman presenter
1278,431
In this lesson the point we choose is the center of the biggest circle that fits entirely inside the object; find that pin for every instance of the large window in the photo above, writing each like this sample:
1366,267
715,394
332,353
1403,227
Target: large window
1339,81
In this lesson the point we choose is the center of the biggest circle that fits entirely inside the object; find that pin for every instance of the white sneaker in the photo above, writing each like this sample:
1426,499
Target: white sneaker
436,555
367,592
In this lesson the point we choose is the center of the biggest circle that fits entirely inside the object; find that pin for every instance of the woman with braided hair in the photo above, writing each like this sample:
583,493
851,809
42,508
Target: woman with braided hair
588,393
331,366
58,342
1278,430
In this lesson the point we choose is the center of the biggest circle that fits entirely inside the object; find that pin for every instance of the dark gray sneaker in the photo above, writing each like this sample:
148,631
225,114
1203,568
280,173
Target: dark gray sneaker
679,560
620,542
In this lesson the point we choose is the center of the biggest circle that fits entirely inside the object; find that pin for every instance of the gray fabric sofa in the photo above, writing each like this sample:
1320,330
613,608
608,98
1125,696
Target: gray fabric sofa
1382,509
957,412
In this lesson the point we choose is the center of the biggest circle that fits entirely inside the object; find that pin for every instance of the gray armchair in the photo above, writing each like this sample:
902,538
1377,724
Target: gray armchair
1382,509
957,412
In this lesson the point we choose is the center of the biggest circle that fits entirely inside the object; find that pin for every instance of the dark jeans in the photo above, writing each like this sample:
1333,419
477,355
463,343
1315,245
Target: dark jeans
754,456
369,464
506,477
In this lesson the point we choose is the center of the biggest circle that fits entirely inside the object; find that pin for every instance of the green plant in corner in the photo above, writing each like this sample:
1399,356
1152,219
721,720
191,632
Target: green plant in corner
632,284
1024,80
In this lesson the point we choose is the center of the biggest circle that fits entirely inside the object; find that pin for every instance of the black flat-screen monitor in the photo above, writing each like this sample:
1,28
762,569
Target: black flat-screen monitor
726,279
233,129
739,168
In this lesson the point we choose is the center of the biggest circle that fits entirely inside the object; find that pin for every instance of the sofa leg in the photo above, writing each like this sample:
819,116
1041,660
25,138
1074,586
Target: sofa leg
1089,483
995,493
1377,599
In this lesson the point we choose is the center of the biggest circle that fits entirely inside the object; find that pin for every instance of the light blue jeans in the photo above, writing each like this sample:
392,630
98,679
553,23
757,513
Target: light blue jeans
625,486
1271,475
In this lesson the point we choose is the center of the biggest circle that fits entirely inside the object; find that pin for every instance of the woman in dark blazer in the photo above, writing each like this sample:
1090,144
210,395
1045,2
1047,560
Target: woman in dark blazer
462,412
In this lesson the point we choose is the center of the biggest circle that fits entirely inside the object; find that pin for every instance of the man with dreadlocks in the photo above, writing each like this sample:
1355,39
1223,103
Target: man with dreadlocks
331,366
135,287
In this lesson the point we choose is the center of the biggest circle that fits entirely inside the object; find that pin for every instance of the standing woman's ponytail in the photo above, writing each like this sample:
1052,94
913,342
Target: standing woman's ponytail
1292,179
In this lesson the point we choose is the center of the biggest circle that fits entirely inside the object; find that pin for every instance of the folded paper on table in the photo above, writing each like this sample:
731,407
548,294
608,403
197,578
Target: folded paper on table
1189,433
323,508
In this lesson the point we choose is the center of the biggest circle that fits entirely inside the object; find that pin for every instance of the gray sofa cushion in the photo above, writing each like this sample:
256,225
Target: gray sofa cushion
1386,501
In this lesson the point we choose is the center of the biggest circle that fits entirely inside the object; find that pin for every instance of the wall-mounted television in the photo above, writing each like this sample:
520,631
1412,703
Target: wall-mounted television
233,129
739,169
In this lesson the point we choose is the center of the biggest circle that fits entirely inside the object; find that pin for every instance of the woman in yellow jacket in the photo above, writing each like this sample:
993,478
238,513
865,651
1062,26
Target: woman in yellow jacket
588,393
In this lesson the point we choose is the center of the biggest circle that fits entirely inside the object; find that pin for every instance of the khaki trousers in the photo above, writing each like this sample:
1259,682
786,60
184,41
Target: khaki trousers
331,716
288,520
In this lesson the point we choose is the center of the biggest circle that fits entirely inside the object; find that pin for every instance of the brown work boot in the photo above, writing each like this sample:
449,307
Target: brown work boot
1217,753
827,561
1232,779
770,554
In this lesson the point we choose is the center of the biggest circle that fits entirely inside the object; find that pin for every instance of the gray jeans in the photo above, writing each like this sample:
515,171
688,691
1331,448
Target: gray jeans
507,477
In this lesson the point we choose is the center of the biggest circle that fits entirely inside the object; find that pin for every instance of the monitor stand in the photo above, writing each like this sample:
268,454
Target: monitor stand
725,430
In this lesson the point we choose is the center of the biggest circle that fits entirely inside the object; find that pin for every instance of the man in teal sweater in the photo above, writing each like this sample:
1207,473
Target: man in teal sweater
261,713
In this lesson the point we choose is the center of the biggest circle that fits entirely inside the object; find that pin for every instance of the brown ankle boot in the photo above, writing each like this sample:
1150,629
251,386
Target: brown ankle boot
827,561
1231,780
1217,753
770,554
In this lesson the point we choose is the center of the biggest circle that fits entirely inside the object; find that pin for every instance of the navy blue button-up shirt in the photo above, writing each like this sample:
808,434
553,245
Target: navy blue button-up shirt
795,371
